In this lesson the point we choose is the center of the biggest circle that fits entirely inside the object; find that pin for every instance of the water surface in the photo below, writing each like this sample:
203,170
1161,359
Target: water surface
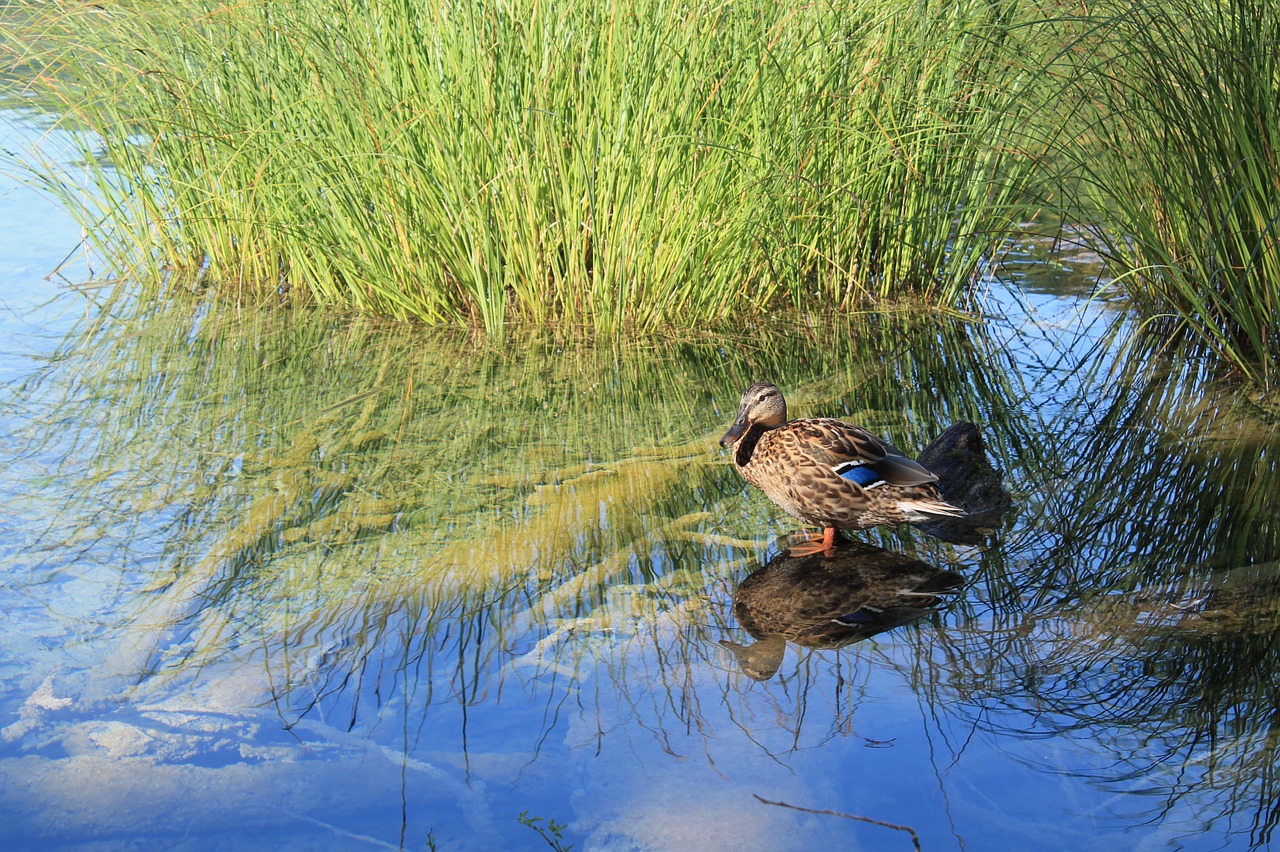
273,579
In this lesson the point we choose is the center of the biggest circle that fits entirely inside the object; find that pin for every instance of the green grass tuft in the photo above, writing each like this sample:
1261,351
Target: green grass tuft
1181,162
618,165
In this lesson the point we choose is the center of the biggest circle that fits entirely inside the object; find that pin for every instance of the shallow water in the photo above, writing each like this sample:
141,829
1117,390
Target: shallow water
277,580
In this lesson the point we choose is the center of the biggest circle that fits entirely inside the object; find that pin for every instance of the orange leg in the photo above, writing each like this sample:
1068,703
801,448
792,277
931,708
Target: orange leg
815,544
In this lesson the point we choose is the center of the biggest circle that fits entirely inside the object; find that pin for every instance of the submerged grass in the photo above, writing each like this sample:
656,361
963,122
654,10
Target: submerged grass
614,165
273,478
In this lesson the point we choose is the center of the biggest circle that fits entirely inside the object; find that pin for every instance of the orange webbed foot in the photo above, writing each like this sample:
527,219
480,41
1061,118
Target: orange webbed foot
813,544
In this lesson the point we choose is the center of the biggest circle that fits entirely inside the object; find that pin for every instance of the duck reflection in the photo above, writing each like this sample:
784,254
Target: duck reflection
829,602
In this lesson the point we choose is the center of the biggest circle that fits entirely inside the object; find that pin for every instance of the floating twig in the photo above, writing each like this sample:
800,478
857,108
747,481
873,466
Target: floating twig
915,838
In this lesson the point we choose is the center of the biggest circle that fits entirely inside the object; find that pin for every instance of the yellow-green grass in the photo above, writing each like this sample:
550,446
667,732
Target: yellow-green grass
615,165
627,167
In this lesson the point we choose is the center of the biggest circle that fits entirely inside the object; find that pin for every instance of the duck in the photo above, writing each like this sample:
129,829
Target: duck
828,473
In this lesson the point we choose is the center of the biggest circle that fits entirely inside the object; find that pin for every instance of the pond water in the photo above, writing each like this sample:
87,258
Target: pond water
271,579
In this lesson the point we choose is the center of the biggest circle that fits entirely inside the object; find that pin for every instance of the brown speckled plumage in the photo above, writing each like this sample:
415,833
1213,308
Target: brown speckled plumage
794,463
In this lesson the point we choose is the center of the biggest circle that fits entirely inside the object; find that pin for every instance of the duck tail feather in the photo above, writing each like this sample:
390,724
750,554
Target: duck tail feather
926,508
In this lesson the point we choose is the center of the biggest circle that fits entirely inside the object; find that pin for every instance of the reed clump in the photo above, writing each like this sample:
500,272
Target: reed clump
1179,161
615,165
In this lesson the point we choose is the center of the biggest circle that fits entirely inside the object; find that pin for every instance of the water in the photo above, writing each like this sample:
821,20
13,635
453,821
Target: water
279,580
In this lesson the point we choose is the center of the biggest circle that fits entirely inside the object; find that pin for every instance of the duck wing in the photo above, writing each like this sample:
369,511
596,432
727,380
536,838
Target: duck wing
856,454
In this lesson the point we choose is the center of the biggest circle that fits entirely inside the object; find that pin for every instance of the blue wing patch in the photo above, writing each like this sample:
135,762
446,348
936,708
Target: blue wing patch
859,473
861,616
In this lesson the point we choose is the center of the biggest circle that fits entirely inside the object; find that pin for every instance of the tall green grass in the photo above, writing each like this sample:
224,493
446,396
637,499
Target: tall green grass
1181,162
615,165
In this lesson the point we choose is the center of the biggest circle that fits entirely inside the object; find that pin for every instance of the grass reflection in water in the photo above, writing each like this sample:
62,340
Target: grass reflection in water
466,582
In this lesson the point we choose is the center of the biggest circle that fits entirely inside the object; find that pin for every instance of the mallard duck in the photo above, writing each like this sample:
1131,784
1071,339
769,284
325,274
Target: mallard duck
826,472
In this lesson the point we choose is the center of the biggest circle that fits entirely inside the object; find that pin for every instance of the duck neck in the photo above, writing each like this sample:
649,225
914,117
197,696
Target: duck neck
746,445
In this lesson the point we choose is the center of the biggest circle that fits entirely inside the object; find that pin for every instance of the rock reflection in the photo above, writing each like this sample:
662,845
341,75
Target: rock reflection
821,602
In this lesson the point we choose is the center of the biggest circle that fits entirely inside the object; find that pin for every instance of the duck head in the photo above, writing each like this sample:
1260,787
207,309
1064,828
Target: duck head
762,405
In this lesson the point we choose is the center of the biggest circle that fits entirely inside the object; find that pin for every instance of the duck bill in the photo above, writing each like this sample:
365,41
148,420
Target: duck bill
735,432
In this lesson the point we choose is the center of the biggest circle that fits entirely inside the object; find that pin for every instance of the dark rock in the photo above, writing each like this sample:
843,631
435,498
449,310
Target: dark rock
966,479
